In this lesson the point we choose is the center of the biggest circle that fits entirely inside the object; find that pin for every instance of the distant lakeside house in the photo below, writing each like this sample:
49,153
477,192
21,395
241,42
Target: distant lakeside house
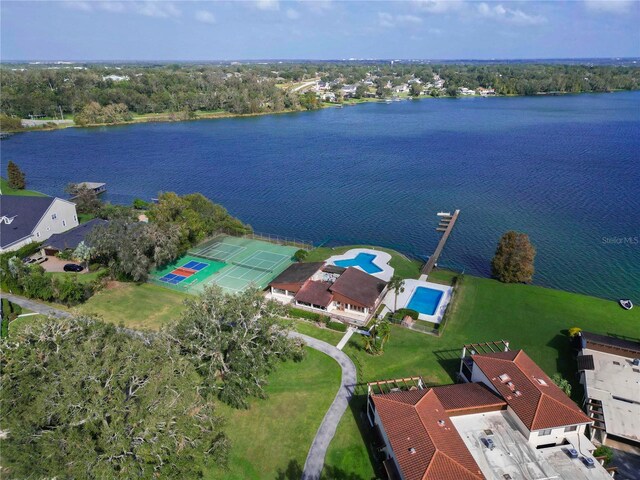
347,294
69,240
26,219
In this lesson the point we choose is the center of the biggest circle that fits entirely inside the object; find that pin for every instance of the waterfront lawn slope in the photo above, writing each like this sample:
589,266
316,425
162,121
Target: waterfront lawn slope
533,318
7,190
403,267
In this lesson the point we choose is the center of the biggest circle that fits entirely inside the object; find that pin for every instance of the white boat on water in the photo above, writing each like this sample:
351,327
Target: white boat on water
444,214
626,303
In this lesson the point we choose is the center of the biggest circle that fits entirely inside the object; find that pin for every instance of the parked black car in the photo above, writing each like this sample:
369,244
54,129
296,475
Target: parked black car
72,267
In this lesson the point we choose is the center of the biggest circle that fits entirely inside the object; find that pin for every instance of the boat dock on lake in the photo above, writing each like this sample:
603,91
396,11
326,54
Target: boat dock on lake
447,222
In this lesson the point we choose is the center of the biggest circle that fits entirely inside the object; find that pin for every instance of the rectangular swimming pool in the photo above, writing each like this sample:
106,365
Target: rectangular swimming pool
362,260
425,300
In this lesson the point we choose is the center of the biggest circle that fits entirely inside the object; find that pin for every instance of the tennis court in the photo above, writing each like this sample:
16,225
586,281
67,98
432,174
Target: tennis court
186,272
233,263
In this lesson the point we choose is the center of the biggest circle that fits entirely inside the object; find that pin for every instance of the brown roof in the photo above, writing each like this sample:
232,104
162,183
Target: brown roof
297,273
316,293
359,287
607,344
425,442
463,398
534,398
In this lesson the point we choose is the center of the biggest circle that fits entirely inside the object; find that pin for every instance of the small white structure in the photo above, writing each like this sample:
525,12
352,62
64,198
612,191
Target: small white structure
380,262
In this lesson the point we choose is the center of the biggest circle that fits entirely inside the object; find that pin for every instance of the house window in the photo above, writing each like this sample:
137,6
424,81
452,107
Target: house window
544,433
572,428
54,216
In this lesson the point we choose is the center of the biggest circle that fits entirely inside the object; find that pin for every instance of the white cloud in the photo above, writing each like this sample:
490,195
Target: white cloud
268,4
319,6
82,6
292,14
388,20
205,16
158,9
438,6
114,7
509,15
609,6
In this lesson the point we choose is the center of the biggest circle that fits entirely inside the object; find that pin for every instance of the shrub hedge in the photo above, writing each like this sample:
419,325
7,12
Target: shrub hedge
337,326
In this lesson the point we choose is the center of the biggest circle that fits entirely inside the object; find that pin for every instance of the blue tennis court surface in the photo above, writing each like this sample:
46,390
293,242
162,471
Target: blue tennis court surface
195,265
172,278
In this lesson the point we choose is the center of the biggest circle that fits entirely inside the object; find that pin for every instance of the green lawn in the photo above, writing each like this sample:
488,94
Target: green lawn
82,278
532,318
142,306
85,217
404,267
5,189
325,334
273,436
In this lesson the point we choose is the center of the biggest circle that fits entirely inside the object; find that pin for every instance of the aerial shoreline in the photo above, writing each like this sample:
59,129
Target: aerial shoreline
166,117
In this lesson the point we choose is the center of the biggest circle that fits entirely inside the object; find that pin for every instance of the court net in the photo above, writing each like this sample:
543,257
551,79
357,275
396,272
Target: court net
252,267
207,256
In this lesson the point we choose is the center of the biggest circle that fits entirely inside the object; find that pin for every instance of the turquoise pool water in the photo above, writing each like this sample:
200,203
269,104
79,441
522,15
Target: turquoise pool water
362,260
425,300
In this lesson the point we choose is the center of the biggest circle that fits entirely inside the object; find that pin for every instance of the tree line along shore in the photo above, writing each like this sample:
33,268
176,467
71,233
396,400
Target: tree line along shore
92,94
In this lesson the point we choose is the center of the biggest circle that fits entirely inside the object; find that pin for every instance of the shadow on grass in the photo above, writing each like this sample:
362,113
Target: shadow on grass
449,360
294,472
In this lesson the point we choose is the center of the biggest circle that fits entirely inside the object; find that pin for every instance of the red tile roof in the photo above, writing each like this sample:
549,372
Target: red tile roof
463,398
316,293
425,442
359,287
534,398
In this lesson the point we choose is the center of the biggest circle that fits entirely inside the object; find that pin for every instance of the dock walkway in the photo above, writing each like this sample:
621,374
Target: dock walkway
446,225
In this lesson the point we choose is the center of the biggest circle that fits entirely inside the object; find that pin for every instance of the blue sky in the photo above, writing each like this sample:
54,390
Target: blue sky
200,30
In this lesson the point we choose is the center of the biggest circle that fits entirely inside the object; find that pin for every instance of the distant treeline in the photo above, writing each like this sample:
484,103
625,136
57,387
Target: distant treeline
246,89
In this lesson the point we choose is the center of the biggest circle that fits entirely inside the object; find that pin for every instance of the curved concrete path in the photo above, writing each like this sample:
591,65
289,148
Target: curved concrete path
35,306
315,458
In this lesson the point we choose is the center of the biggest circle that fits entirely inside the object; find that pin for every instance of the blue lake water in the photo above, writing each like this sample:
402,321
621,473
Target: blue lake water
425,300
566,170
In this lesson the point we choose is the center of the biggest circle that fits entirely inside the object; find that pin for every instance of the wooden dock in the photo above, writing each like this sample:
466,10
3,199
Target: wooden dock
446,226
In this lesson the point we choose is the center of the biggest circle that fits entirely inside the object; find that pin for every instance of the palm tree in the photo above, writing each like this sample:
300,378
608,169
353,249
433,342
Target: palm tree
384,330
397,285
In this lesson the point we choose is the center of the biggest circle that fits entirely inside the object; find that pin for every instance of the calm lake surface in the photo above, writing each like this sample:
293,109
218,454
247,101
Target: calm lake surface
566,170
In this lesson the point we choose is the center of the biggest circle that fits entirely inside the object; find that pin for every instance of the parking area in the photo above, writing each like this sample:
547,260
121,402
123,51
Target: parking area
55,264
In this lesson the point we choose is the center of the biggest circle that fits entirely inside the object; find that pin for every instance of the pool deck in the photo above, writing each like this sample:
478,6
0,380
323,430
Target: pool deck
410,286
381,261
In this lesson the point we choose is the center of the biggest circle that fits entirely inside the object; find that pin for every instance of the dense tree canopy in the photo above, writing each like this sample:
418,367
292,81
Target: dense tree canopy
234,342
247,89
83,399
513,261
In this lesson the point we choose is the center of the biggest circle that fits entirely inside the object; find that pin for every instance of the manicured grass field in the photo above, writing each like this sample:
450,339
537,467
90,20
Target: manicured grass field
532,318
325,334
142,306
404,267
274,435
7,190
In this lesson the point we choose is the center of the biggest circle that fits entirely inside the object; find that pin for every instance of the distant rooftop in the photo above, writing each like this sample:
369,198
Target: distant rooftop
513,457
615,381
